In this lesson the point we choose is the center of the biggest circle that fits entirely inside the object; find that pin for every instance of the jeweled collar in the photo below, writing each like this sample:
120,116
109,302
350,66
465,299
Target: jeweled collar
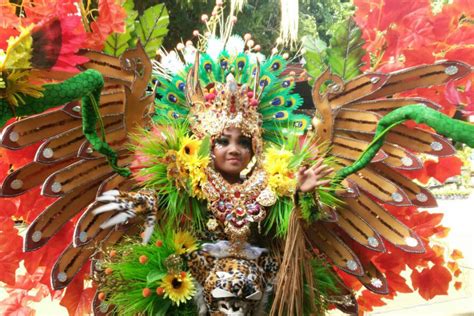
238,205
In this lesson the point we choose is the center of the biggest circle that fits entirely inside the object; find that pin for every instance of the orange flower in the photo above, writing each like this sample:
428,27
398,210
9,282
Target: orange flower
453,266
456,254
438,250
146,292
458,285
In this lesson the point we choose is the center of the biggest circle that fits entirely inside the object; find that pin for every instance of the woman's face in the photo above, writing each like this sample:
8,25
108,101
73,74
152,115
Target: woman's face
232,152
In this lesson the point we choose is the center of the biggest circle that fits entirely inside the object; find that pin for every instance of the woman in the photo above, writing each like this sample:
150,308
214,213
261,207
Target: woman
238,183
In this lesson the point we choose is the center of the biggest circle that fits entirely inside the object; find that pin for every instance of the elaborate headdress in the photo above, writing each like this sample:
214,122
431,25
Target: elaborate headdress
234,90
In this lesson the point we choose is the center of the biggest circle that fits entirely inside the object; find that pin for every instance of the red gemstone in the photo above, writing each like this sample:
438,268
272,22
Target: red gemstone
237,194
232,108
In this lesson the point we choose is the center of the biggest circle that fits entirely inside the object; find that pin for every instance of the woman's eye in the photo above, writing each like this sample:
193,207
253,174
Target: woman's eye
222,141
246,142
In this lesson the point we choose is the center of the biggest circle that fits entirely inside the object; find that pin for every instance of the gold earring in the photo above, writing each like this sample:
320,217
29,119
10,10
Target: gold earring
248,168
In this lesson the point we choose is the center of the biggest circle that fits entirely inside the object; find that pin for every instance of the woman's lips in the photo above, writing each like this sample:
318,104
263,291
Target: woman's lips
233,159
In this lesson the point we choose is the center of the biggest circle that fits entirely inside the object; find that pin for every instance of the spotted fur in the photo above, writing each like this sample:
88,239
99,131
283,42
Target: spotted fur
240,277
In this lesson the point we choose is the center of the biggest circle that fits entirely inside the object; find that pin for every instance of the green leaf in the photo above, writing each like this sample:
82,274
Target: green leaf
315,56
154,276
152,27
164,308
117,43
345,50
205,147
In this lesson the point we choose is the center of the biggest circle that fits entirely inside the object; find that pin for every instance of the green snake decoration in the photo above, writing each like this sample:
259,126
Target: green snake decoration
86,86
457,130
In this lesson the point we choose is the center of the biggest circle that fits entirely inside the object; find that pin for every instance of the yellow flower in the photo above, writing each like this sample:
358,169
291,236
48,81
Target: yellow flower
281,178
189,147
191,166
277,160
198,176
179,288
282,185
184,242
18,84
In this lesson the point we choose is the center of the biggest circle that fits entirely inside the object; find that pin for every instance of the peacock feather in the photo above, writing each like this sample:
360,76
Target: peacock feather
277,103
240,68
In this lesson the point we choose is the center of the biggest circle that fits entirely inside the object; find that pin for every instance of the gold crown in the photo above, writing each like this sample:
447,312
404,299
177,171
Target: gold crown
221,106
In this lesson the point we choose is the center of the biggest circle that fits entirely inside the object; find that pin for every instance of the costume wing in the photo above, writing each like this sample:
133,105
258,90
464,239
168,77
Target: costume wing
346,117
67,167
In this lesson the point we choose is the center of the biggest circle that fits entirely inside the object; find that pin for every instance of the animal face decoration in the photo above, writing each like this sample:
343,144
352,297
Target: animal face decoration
233,285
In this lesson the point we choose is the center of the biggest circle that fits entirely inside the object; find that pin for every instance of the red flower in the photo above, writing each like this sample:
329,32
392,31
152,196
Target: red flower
457,285
431,281
111,19
367,300
397,283
463,99
76,299
10,250
20,295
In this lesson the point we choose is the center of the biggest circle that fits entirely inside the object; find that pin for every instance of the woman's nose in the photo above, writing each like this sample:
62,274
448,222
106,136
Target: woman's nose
234,149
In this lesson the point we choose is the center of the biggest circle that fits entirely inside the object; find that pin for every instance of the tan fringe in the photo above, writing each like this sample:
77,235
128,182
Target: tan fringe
289,22
295,268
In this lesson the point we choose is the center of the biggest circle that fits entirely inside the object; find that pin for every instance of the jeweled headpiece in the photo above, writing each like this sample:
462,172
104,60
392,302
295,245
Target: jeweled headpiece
234,90
225,105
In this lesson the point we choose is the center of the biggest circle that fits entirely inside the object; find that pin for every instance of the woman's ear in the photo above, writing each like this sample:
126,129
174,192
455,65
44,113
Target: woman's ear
254,146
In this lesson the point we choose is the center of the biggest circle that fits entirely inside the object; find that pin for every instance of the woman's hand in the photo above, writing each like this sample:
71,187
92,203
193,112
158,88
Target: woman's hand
310,178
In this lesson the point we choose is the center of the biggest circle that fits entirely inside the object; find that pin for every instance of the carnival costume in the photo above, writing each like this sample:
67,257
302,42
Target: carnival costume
258,246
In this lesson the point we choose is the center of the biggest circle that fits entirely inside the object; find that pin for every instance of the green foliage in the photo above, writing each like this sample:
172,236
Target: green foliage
262,20
278,216
174,202
185,16
152,27
337,43
325,285
117,43
307,206
317,17
303,155
124,286
205,147
345,51
307,26
315,56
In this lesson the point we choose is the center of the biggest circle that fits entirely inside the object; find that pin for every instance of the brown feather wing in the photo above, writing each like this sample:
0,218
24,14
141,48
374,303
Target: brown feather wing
346,117
67,168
